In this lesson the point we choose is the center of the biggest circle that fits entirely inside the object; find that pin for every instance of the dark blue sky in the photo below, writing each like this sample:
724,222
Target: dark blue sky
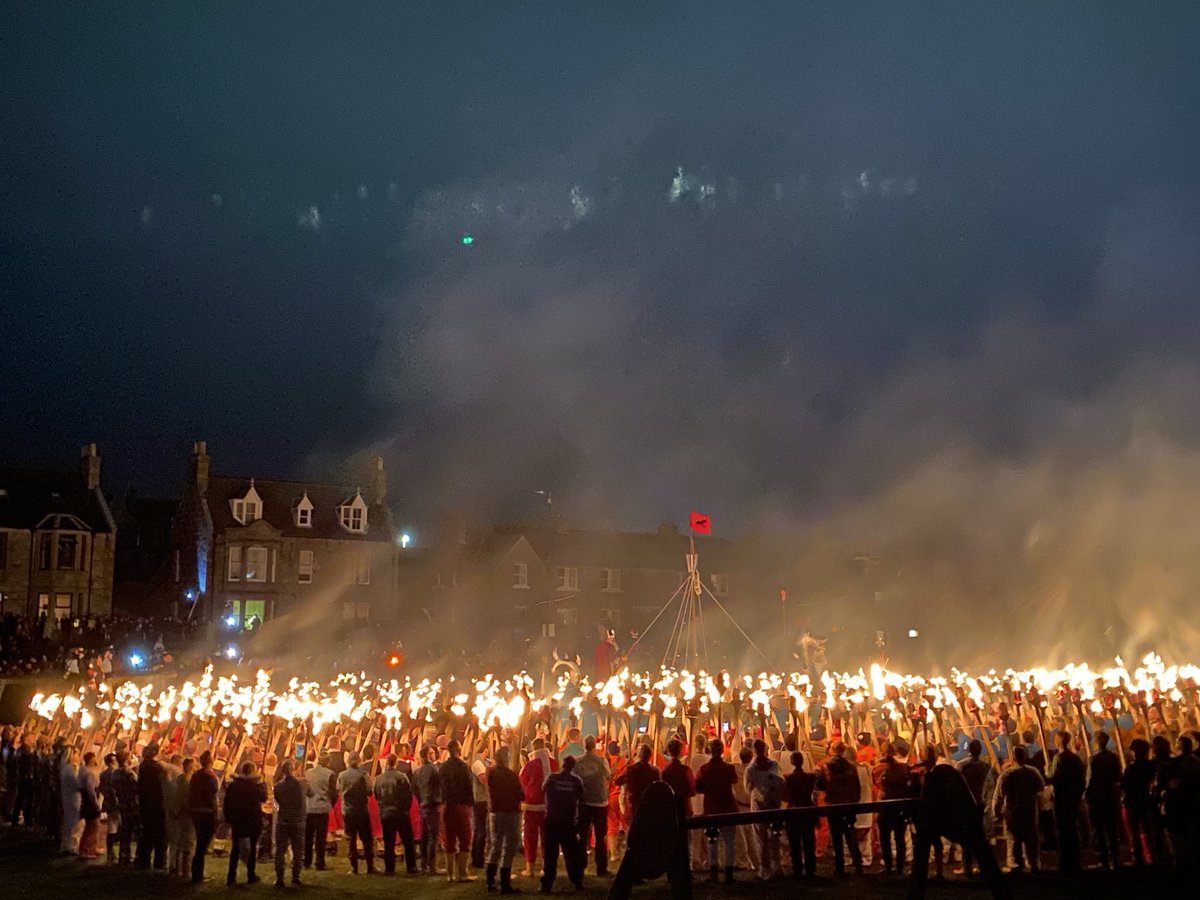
899,233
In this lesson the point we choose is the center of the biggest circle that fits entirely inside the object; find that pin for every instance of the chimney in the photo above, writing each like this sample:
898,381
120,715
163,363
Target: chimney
378,482
198,467
89,464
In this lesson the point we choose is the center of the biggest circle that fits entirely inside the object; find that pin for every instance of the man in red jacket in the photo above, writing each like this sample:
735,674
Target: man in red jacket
715,782
541,765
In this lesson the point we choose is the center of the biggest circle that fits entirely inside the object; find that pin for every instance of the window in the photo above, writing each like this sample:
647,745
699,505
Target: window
720,585
62,606
362,567
253,610
235,564
521,576
65,557
611,615
3,549
356,610
610,580
568,578
548,629
305,567
568,617
43,604
246,511
353,515
44,552
304,511
257,560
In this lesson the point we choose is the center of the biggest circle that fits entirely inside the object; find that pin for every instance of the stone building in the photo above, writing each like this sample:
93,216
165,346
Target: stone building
57,542
507,587
250,548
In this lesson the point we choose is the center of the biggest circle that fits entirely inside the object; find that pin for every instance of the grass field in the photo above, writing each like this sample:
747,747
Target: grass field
29,869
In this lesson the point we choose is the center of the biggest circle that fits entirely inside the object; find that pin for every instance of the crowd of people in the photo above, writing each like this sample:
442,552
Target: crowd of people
89,648
454,812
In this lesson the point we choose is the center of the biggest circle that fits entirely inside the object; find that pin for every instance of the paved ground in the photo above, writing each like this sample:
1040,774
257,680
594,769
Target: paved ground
29,870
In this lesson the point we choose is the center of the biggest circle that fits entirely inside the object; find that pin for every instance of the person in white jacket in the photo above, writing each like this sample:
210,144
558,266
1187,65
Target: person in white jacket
864,822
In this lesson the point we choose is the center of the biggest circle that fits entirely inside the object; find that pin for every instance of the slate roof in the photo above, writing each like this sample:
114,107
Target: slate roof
27,496
279,499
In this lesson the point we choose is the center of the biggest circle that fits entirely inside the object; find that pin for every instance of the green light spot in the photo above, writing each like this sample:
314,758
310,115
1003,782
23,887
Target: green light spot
468,240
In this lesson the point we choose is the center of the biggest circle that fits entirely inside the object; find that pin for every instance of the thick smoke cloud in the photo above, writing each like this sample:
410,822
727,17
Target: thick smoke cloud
1010,434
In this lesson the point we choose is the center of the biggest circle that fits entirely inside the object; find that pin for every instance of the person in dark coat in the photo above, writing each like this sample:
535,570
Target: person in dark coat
152,808
291,795
564,794
715,782
637,777
394,794
124,788
841,785
202,806
355,784
1068,780
505,795
243,811
458,809
1103,794
1136,786
799,786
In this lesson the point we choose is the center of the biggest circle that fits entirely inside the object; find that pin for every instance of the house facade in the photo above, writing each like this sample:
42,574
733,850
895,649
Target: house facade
57,542
249,549
560,588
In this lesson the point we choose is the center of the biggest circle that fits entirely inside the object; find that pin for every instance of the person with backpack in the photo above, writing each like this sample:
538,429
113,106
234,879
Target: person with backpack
841,785
355,787
765,784
892,777
394,794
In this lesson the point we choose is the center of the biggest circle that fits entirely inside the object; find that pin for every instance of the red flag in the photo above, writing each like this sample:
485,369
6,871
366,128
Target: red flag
700,523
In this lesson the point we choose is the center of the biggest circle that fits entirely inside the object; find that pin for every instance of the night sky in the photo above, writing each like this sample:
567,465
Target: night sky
888,268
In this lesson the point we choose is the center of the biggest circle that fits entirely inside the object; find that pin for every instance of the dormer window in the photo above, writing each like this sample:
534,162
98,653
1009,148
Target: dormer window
353,515
247,509
304,511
